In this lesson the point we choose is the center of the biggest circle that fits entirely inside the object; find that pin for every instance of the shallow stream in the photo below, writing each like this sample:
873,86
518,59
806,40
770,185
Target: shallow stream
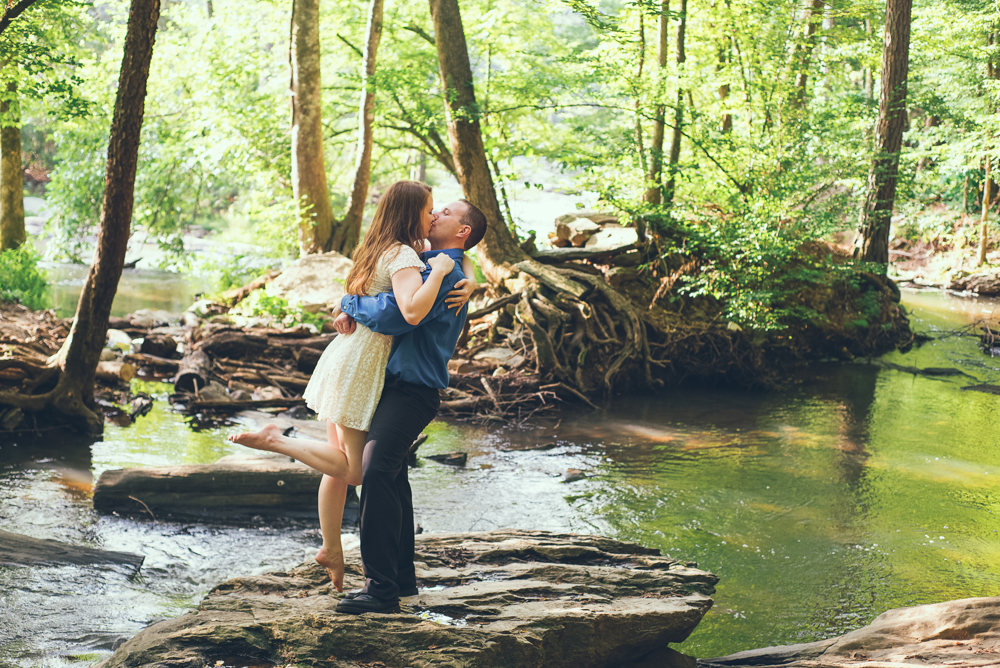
854,490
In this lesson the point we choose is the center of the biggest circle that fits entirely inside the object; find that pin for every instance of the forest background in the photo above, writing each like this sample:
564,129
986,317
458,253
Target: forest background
768,109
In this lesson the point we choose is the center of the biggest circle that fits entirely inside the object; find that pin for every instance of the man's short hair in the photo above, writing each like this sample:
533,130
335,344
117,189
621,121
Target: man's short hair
475,219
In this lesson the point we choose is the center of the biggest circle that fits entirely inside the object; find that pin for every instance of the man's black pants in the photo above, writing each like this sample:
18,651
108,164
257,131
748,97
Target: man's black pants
386,500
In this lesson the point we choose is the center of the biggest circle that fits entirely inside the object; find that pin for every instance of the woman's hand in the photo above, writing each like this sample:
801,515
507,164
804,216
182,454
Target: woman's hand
458,297
441,263
344,324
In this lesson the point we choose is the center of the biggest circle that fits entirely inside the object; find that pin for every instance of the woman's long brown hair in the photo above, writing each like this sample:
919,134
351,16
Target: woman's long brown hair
397,220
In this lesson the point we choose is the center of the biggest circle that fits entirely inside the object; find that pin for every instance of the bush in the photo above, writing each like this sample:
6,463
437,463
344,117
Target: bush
20,278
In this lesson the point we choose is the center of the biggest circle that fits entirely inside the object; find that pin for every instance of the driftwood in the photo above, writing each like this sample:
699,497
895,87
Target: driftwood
18,550
214,404
244,486
549,256
194,372
158,345
315,342
142,360
114,371
233,344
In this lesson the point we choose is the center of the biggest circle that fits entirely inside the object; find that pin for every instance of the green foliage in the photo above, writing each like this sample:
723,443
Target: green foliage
263,304
21,280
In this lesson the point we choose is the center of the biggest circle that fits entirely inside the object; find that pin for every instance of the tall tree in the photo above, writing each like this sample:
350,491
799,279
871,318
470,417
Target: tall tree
812,17
347,231
74,365
498,251
308,167
984,220
675,140
12,232
873,243
654,193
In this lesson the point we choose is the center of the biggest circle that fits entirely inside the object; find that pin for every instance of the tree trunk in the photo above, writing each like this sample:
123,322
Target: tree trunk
877,212
498,252
675,141
348,231
638,96
812,15
308,169
12,232
72,397
654,194
983,221
869,76
561,310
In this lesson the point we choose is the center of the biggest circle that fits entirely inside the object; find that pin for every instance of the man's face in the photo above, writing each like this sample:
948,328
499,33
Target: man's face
447,225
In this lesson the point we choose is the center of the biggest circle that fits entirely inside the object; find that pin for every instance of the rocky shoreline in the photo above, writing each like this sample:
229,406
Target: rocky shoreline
500,598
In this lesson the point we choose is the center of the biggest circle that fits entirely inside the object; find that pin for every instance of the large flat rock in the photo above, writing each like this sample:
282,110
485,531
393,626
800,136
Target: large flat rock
501,598
963,634
18,550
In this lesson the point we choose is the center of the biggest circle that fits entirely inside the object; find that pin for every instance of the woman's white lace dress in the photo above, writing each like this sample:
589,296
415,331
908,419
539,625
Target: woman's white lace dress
346,386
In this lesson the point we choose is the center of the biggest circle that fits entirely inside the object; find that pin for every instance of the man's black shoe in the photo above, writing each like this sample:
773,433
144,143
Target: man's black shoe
363,603
403,593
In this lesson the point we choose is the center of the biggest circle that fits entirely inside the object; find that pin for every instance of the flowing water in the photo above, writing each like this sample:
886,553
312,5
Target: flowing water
854,490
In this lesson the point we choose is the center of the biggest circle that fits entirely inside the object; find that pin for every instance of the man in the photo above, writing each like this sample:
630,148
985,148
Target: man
417,370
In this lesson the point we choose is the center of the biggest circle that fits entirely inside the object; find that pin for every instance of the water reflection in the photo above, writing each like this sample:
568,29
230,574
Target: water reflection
854,490
138,289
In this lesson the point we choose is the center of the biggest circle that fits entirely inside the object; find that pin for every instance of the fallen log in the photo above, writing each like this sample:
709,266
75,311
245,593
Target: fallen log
18,550
114,371
193,372
142,359
249,486
216,404
233,344
270,379
549,256
315,342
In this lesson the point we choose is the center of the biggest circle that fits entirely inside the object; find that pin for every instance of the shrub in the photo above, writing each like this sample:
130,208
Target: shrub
20,278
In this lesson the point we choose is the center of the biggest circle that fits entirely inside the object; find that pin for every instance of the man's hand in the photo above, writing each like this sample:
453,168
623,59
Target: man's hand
344,324
457,298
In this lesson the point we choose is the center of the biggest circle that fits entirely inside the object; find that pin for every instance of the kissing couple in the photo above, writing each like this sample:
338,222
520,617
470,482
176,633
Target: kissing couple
377,383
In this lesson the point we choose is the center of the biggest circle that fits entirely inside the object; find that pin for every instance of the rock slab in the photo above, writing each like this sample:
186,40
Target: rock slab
501,598
963,634
18,550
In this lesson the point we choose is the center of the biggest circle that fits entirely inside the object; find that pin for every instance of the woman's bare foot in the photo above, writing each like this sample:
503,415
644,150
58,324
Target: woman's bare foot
265,439
333,560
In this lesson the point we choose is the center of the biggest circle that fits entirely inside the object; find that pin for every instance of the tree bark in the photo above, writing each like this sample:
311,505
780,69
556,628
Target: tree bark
984,220
654,194
308,168
877,212
12,232
812,15
499,251
675,141
77,360
638,96
347,232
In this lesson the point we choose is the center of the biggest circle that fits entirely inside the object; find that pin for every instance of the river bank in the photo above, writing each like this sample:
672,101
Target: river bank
853,490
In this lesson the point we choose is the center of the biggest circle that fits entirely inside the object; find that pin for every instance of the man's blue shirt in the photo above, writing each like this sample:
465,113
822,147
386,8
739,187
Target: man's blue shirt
420,353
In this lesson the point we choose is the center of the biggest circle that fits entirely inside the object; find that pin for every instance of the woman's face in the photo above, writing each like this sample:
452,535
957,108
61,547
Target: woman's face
426,217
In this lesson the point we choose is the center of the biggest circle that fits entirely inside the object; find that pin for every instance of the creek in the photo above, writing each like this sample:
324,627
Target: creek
852,490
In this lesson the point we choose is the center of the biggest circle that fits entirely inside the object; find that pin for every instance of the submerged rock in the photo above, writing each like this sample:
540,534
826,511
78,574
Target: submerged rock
500,598
955,633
